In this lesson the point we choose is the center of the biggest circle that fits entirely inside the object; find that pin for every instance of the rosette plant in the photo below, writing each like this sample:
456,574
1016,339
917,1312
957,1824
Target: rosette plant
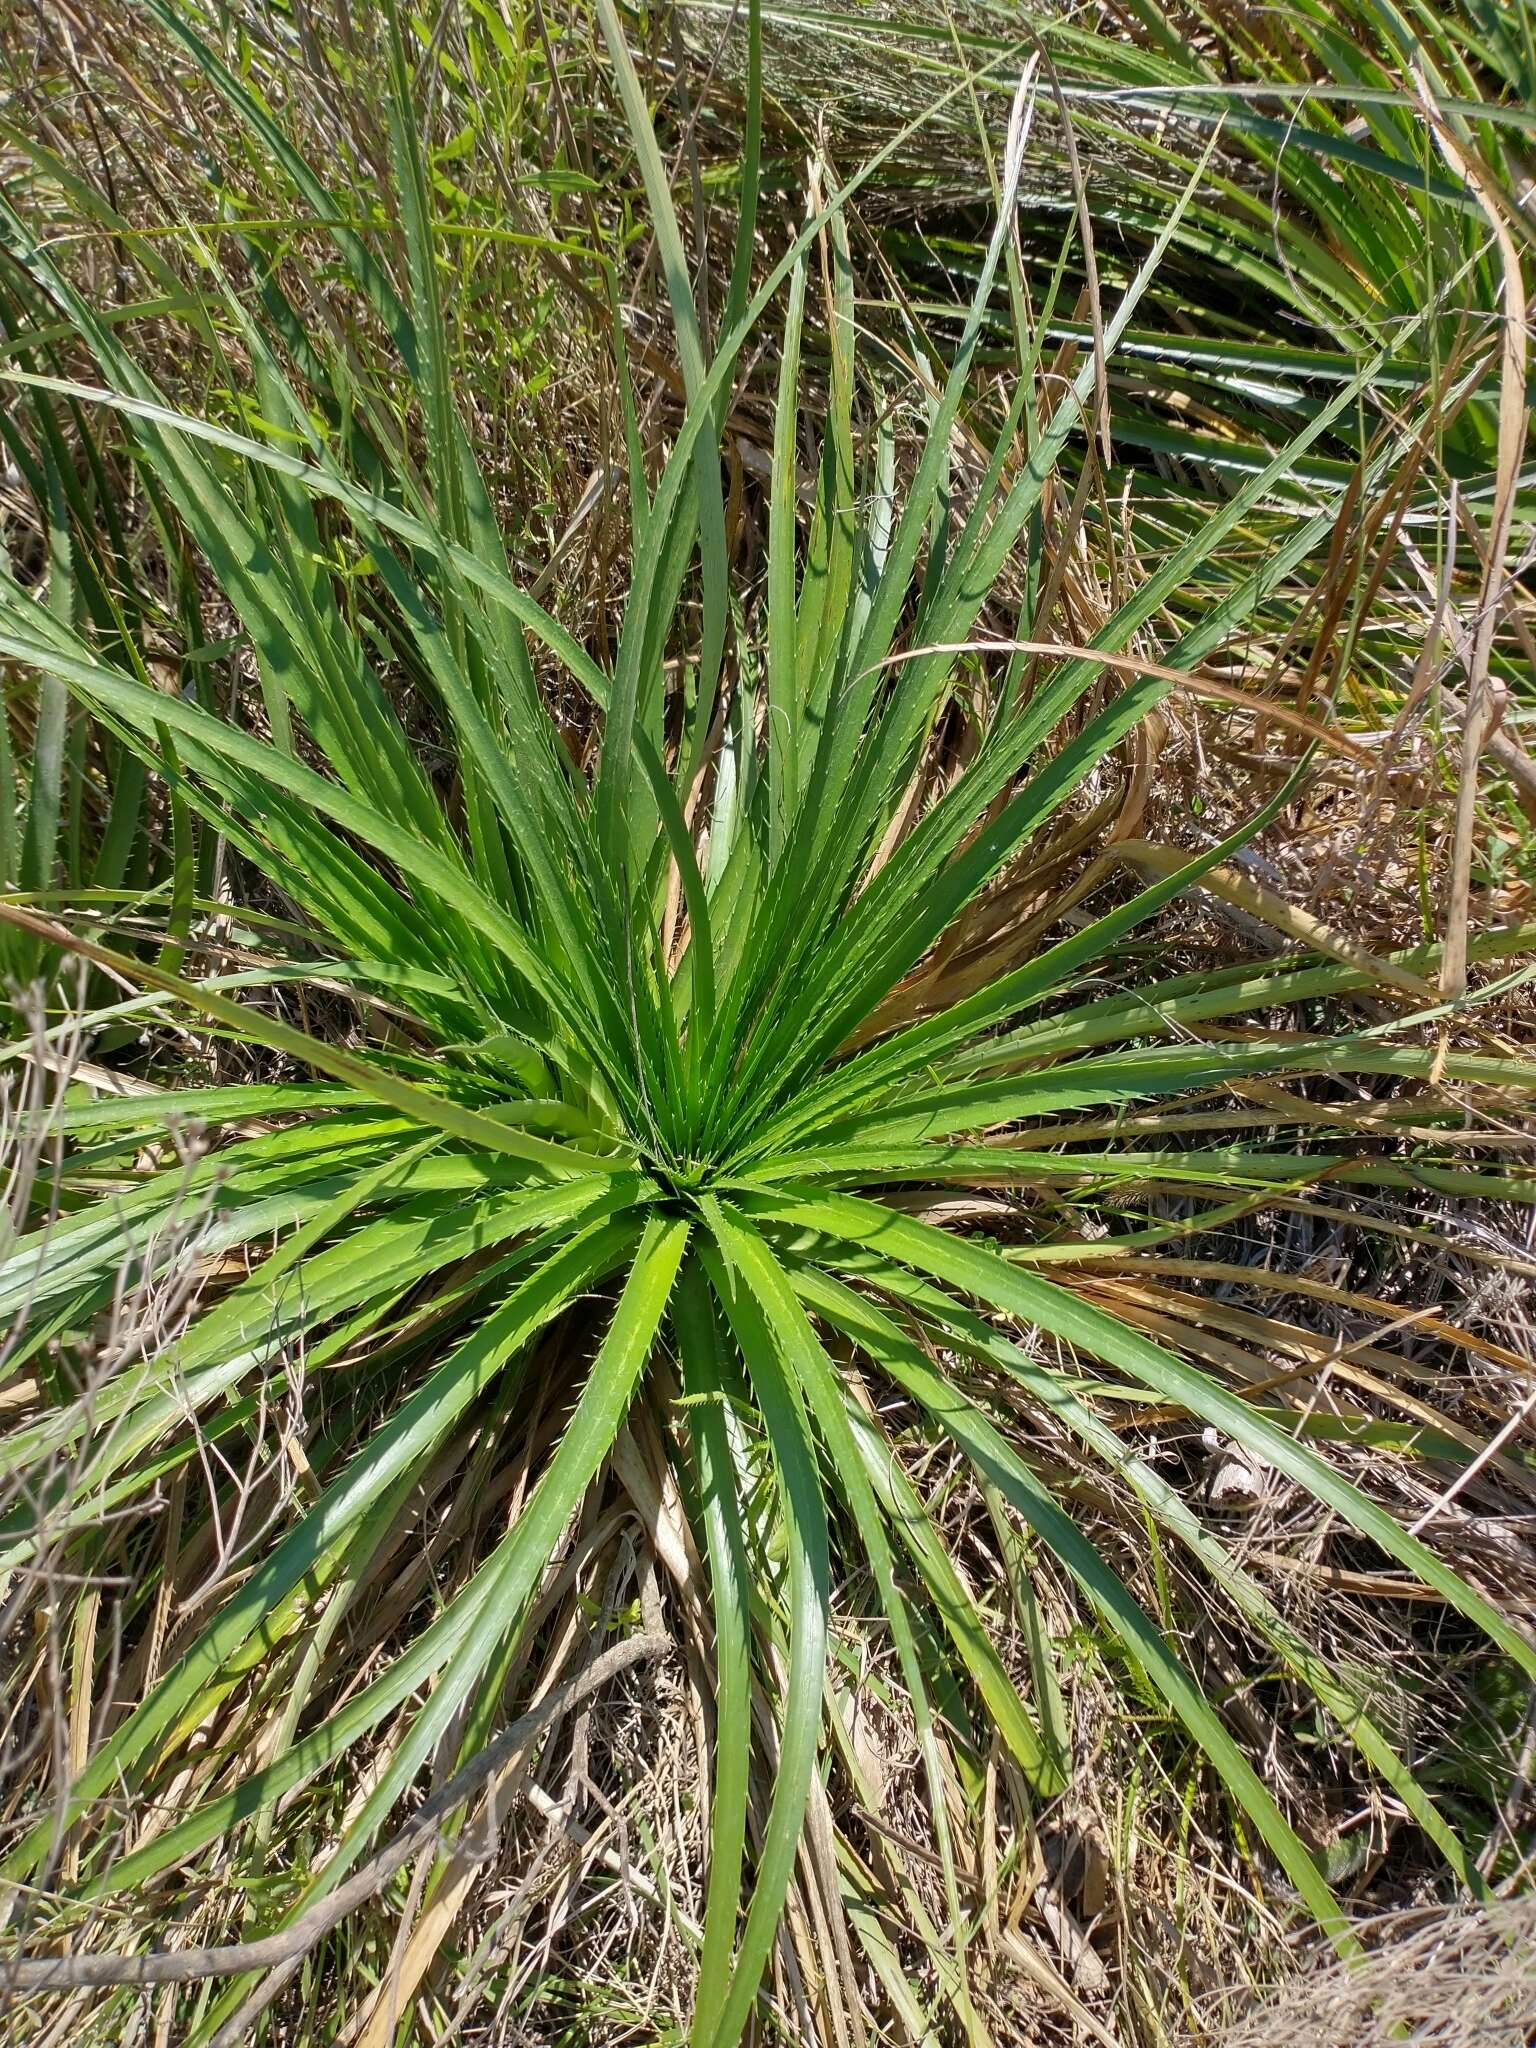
700,1082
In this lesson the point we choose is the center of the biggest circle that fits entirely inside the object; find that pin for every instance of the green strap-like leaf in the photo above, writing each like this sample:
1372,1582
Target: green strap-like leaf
707,1384
979,1271
805,1522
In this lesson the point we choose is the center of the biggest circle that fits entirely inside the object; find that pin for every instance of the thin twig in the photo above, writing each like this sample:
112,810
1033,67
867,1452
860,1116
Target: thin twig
1468,1473
1481,705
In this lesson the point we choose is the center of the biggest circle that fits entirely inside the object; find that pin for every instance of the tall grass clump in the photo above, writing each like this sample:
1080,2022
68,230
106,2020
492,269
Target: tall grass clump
678,1109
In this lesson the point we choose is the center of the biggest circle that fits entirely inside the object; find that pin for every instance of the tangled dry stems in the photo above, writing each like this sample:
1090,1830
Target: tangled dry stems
1433,1979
